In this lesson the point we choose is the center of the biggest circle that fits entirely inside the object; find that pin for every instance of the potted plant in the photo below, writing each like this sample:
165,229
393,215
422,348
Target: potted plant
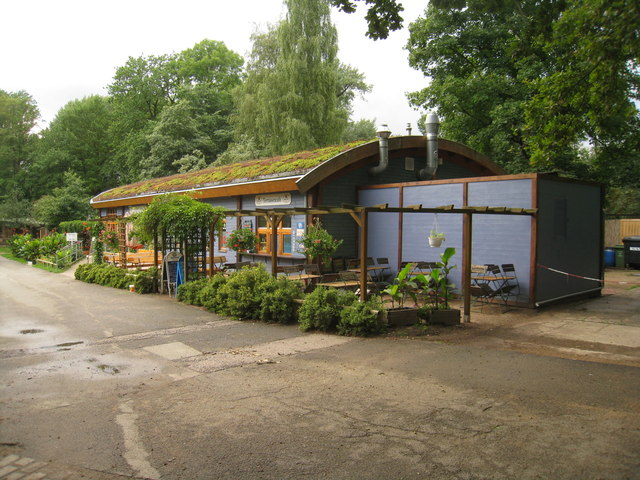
436,238
242,240
319,244
402,288
439,291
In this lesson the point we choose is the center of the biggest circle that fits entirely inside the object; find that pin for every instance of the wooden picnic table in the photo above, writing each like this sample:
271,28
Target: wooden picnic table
339,284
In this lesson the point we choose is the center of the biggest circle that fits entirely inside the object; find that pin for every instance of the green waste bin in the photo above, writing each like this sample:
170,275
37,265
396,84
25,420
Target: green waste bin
619,256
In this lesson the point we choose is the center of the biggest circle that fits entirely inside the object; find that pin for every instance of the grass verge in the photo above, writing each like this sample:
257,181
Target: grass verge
6,253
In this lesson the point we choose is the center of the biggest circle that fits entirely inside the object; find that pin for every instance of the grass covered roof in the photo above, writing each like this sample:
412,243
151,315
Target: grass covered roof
274,167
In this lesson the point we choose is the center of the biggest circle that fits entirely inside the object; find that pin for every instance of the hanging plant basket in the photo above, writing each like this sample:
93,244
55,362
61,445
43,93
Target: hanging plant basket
436,240
435,237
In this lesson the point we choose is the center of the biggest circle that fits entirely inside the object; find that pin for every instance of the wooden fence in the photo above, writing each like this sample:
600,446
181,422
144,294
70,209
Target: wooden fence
616,230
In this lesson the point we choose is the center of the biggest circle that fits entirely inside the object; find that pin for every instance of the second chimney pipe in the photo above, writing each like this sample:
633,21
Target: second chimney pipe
432,125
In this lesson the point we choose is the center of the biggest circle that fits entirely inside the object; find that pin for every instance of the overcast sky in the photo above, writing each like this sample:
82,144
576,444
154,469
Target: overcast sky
62,50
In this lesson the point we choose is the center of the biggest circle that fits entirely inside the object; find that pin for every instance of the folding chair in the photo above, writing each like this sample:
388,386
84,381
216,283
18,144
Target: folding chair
353,263
382,262
292,270
337,265
509,272
347,278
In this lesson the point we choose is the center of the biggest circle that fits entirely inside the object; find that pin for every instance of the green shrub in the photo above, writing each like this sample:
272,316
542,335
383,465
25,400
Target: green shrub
239,297
277,299
362,318
209,296
111,276
17,243
51,244
76,226
189,292
31,250
146,281
322,307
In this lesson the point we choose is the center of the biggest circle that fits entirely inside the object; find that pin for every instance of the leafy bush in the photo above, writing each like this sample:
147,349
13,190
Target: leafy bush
76,226
146,280
17,243
277,299
362,318
240,295
209,296
189,292
50,244
31,250
322,307
111,276
251,293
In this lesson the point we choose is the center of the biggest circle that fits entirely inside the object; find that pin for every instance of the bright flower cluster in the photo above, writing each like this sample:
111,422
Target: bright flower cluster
317,242
242,240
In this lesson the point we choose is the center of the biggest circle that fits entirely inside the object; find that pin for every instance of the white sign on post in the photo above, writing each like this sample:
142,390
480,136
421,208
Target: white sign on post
72,237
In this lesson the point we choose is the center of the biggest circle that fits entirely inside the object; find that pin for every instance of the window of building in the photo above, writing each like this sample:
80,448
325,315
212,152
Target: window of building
283,232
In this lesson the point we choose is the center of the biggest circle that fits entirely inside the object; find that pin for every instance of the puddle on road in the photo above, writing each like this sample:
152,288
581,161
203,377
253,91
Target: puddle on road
100,367
30,331
109,369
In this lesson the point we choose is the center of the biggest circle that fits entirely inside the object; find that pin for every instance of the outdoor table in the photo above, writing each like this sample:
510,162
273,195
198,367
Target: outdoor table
339,284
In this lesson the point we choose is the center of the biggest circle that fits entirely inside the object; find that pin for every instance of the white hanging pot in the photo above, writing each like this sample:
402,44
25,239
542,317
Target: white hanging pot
435,242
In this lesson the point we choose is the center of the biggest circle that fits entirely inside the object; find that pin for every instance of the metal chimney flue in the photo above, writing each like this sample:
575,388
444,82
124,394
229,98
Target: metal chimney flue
432,125
408,129
383,134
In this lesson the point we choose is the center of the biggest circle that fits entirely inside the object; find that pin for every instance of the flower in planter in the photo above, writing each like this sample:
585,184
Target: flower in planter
242,240
318,243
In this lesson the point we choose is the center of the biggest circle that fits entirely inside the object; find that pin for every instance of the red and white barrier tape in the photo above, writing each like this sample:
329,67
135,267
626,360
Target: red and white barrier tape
570,274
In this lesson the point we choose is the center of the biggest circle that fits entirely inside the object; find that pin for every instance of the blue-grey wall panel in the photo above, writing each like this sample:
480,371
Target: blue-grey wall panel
499,239
383,227
416,226
569,238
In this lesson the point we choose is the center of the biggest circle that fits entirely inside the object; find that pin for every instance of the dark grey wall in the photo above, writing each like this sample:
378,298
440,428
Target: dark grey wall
569,238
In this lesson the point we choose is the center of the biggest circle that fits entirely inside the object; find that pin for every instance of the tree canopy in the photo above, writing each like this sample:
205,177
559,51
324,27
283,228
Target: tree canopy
383,16
526,82
153,95
296,95
18,116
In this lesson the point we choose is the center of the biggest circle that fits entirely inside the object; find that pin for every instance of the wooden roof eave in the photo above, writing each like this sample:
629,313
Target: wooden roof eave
355,209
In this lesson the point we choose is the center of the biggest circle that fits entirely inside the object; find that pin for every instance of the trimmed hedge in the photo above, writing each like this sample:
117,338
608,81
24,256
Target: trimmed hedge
145,281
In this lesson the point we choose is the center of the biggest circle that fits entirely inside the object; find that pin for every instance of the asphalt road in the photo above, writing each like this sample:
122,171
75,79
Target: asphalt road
100,383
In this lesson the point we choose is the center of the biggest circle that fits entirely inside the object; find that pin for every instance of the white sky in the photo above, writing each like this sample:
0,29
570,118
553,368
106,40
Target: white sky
62,50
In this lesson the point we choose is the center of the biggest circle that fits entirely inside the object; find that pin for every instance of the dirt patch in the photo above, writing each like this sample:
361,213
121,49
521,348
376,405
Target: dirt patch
555,330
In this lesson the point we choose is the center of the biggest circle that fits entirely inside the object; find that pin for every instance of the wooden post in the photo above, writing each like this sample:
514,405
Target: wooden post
212,244
274,221
466,265
155,247
364,234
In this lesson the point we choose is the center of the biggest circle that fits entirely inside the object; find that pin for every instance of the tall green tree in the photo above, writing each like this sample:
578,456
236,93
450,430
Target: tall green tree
591,93
18,116
383,16
527,82
153,95
67,202
76,140
482,58
296,95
